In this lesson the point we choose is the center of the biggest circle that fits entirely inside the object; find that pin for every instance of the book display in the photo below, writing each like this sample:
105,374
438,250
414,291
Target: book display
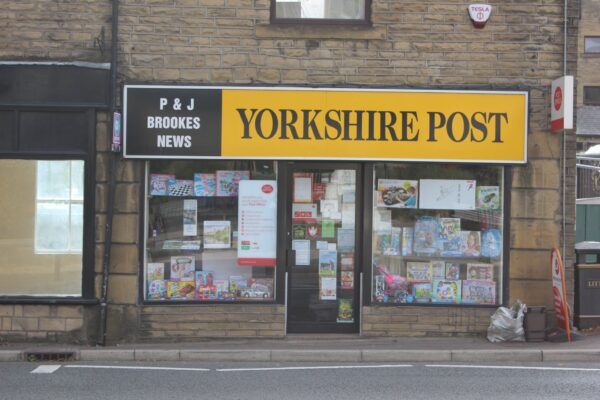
199,220
445,248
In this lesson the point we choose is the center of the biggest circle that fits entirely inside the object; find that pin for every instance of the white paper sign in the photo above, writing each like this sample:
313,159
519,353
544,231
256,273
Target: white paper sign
257,219
302,250
447,194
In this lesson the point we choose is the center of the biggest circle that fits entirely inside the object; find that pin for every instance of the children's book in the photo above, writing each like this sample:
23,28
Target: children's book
421,292
491,243
228,182
155,271
449,238
407,241
446,291
345,311
481,271
418,271
159,184
427,232
180,290
157,290
347,278
479,292
488,198
470,243
182,268
438,269
180,187
452,271
205,185
397,193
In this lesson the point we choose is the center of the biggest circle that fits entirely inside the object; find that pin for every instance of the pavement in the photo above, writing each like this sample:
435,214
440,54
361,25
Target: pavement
319,348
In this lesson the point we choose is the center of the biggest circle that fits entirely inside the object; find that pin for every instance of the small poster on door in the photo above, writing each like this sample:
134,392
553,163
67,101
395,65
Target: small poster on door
190,218
302,250
303,187
327,286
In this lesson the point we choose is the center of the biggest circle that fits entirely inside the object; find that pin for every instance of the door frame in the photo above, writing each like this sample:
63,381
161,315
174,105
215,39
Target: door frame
284,254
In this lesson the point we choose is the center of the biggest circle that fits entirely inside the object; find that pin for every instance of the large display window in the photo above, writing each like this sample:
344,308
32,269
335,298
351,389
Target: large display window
211,231
437,234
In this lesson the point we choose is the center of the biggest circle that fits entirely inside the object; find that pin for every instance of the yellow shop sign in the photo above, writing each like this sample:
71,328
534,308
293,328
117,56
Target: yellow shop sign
333,124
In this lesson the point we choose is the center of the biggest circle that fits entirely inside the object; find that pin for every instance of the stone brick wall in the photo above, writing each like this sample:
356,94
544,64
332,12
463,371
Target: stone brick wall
43,323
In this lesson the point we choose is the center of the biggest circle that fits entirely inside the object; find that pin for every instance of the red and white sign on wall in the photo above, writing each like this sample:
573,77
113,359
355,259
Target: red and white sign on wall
558,289
561,113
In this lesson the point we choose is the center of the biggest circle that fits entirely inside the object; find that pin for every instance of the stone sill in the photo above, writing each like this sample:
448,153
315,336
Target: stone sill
268,31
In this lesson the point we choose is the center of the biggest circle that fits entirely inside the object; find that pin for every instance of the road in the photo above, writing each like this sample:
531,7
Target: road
287,381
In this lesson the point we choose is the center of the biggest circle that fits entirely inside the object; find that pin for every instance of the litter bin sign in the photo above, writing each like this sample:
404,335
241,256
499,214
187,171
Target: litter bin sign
587,284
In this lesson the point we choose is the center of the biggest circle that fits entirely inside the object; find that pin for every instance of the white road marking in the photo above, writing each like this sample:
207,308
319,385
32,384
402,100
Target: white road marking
309,368
140,368
45,369
515,367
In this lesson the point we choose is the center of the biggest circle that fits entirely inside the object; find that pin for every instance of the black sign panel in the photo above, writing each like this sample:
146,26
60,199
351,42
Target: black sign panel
171,122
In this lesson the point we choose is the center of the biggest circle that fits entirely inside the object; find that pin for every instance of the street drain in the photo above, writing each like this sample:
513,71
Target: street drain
56,356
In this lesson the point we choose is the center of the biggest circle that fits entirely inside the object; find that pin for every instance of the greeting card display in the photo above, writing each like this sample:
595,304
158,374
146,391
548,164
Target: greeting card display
418,271
157,290
446,291
470,243
491,243
479,292
228,182
180,187
205,185
397,193
488,197
480,271
159,184
427,232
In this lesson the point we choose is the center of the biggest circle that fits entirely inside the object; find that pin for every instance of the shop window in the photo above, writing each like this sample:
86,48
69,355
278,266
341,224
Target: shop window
41,235
320,10
437,234
591,95
592,44
210,231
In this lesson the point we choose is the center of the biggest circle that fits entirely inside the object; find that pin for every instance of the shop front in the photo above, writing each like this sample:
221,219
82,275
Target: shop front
327,203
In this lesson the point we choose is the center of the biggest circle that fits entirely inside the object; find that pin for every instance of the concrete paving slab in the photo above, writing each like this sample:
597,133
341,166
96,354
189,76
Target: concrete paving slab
406,355
11,355
520,355
156,355
316,355
571,355
225,355
106,355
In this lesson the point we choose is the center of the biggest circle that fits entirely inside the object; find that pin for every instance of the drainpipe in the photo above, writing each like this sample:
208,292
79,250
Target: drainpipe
111,180
564,143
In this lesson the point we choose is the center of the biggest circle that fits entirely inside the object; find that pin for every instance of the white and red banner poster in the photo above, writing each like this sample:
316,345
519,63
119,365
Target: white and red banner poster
257,219
558,289
561,97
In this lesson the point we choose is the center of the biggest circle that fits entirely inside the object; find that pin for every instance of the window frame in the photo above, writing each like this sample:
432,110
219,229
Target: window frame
366,21
585,44
367,271
586,100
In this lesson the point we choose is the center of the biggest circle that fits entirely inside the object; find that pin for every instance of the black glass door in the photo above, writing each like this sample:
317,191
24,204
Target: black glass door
322,247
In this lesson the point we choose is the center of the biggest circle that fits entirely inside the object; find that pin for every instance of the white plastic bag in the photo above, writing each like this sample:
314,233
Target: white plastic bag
507,324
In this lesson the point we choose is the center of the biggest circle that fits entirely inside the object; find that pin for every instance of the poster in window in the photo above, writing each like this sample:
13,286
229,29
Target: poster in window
345,239
327,263
190,218
217,234
447,194
327,286
302,250
345,311
303,187
488,197
302,212
257,222
159,184
205,185
182,268
397,193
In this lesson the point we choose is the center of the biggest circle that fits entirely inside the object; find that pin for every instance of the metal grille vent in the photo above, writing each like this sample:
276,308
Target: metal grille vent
35,356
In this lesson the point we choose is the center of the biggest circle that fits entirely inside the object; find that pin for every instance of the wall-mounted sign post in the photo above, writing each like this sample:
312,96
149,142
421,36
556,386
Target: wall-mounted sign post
561,97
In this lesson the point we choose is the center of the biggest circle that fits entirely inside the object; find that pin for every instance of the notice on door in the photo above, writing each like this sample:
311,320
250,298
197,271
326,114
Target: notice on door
257,219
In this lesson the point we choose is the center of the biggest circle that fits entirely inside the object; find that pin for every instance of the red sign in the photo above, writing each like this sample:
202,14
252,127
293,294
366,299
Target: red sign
558,289
561,111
